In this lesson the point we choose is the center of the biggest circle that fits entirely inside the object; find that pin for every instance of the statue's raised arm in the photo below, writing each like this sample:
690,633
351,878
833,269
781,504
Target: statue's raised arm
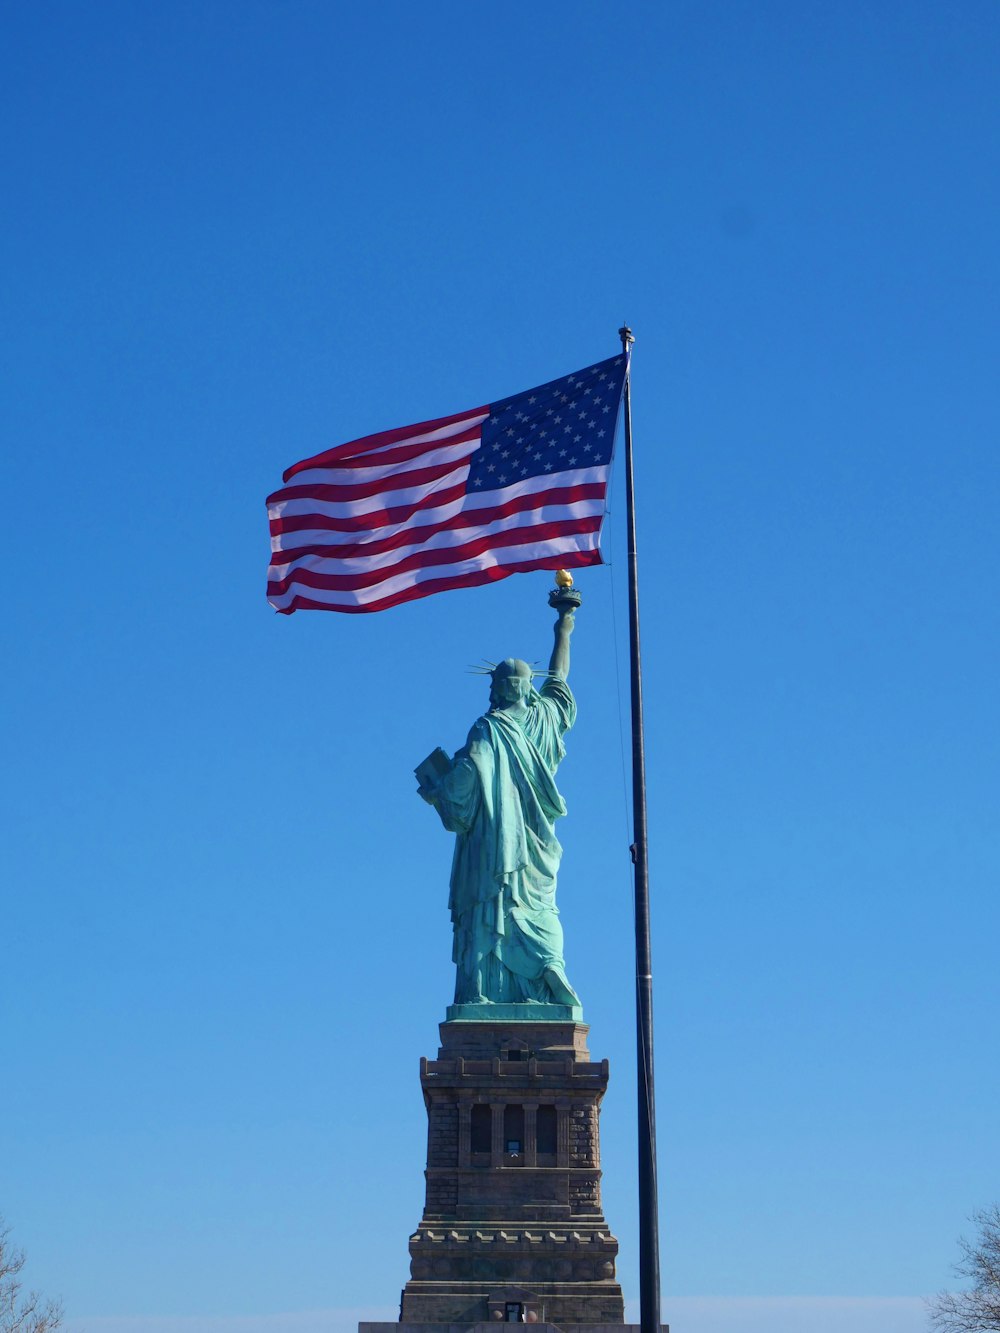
499,797
565,599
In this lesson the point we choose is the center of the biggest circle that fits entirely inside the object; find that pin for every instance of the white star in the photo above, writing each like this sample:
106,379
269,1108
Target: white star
562,453
542,434
588,389
491,467
564,398
576,440
521,416
602,432
548,467
587,448
502,480
524,472
520,439
606,408
548,411
618,362
571,379
505,454
478,481
509,430
582,416
591,424
538,455
603,376
572,461
556,421
532,399
567,428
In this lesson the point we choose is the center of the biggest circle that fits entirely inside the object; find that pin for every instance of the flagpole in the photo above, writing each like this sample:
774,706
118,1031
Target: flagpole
649,1242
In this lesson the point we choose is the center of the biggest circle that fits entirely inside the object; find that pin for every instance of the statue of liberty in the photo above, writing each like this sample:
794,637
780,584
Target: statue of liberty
498,796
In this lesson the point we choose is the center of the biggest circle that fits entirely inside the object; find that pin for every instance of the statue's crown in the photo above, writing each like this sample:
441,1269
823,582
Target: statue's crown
511,666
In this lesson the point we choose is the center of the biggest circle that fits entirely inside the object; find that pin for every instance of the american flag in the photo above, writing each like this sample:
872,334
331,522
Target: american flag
463,500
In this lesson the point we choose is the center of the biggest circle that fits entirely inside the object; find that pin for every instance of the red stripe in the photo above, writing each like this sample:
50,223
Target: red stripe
373,518
345,494
369,442
445,555
571,560
405,452
465,518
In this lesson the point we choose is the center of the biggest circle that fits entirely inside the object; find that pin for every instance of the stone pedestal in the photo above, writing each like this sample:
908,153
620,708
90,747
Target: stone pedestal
512,1228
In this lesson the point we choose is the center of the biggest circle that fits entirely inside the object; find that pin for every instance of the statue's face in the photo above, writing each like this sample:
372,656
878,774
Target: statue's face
511,682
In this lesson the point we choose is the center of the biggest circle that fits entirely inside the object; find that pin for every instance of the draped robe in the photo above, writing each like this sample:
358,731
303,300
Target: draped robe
501,800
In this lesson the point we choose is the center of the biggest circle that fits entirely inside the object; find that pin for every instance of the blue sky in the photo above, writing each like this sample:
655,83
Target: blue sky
238,234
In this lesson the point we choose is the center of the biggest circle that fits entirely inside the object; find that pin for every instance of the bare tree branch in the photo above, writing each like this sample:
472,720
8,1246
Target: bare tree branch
28,1314
978,1309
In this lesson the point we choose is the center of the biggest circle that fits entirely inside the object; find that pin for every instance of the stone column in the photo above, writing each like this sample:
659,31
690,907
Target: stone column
464,1132
562,1132
530,1144
496,1142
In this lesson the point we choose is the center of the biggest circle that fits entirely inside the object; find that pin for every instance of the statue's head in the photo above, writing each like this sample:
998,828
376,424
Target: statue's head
511,682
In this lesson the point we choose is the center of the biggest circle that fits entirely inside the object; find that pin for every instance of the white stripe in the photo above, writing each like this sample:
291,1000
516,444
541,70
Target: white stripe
358,476
476,499
422,437
336,537
332,564
510,555
439,433
414,496
546,481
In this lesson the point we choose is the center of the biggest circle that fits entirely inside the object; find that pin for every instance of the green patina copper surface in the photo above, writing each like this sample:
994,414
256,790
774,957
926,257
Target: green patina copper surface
499,797
514,1013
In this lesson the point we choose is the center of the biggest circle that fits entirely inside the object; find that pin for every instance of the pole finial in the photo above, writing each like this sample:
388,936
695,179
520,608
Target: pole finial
627,337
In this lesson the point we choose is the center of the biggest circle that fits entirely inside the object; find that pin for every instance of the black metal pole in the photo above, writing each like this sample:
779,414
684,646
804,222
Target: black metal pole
649,1230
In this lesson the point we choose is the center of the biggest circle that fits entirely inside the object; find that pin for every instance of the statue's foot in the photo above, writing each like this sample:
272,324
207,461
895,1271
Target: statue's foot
562,991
